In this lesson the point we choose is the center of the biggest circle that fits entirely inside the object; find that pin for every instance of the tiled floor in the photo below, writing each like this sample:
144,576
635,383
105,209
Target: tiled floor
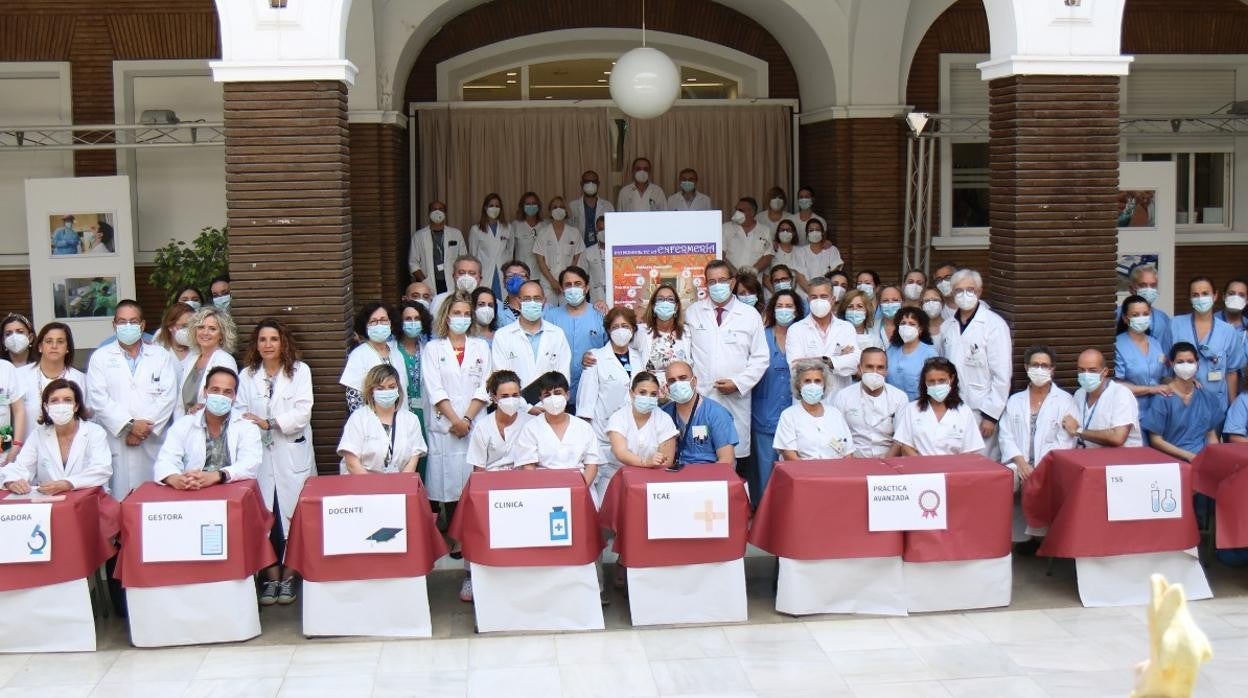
1044,645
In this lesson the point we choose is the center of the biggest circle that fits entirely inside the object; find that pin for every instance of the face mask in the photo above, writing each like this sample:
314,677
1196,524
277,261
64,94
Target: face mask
721,291
1202,304
195,305
933,308
804,203
1140,323
493,212
218,405
776,204
785,236
820,307
867,289
510,405
1235,303
531,310
621,336
857,317
641,176
966,300
738,217
680,391
554,404
386,397
912,292
182,337
665,310
379,333
222,302
812,393
558,213
484,315
645,404
1089,381
531,210
459,324
61,413
939,392
908,333
129,334
872,381
890,308
784,285
1185,370
688,186
574,295
466,283
16,343
785,316
749,299
437,217
945,287
514,282
590,188
411,328
1039,377
814,236
1148,294
838,292
424,302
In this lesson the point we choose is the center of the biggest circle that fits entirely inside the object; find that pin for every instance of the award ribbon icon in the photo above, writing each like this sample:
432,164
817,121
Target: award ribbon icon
929,502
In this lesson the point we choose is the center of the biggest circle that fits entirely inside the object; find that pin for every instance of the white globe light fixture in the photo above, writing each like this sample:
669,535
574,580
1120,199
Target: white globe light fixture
645,83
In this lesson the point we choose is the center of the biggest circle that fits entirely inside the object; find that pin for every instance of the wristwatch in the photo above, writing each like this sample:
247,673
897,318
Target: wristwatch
225,476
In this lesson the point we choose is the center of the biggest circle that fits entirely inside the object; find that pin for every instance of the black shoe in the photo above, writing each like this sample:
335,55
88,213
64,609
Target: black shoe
1028,548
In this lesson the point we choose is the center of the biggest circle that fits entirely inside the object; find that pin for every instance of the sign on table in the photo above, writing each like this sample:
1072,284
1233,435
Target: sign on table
907,502
25,533
185,531
687,510
536,518
1146,491
364,523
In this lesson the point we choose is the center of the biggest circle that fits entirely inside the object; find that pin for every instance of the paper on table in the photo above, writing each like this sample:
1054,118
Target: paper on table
364,523
1144,491
33,496
531,518
907,502
26,533
181,531
687,510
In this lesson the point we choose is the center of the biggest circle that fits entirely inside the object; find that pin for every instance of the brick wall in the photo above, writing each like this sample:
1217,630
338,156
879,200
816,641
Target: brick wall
379,211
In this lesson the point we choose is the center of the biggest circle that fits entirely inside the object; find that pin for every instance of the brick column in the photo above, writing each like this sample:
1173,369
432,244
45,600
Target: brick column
1053,144
379,211
287,159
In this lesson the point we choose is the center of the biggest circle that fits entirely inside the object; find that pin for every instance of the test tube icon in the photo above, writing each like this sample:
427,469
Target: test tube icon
1156,495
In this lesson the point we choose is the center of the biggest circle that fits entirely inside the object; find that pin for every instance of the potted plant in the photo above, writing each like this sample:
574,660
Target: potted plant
179,265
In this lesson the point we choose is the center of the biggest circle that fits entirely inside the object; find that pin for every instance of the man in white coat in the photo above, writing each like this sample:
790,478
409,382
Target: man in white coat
978,343
822,335
870,406
433,249
131,389
729,351
641,194
688,198
584,211
214,446
1106,414
531,346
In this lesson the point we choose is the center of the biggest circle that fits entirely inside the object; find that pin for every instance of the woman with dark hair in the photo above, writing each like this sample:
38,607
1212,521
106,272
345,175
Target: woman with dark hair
750,290
662,332
492,242
191,296
556,440
55,346
376,325
1182,423
938,423
909,347
275,394
19,334
1139,359
417,332
604,389
66,452
484,314
524,229
773,393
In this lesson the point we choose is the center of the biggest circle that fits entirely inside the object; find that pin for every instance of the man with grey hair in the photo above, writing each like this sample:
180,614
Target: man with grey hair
822,335
466,276
979,344
1144,283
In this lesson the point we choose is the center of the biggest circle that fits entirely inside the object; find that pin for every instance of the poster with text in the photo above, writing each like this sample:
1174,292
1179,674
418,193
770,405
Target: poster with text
650,249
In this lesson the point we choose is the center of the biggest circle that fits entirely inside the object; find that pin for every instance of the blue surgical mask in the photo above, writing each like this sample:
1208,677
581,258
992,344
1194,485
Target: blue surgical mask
222,302
531,209
645,404
890,308
1140,323
805,202
412,328
749,299
857,317
531,310
1089,381
688,186
867,289
194,304
459,324
785,316
665,310
574,295
784,285
514,282
1148,294
218,405
1202,304
812,393
129,334
379,333
680,391
386,397
939,392
721,291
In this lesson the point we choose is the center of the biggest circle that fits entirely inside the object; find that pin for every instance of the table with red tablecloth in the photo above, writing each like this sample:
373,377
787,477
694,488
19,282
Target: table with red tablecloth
193,602
1067,494
532,588
380,594
1220,471
46,606
678,580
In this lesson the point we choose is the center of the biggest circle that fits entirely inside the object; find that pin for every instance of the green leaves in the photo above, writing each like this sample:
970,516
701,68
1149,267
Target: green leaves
179,265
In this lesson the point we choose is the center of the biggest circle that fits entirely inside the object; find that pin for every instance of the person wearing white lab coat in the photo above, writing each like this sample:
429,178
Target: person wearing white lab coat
1106,414
605,385
805,210
376,323
466,277
556,440
747,243
687,197
822,335
382,436
491,241
641,194
811,429
594,259
214,336
491,444
433,248
938,423
871,406
55,344
583,211
978,343
558,246
524,228
131,391
729,349
65,452
215,445
531,346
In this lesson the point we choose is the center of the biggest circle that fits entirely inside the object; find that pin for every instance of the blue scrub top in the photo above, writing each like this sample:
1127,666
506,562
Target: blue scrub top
65,241
1237,416
1140,369
1158,328
584,333
904,369
720,431
1221,315
1183,425
774,392
1222,350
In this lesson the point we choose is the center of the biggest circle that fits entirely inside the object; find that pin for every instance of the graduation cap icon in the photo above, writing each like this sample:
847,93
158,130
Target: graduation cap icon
383,535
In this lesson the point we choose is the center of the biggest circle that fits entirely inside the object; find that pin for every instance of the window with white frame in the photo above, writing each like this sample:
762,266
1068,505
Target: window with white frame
1204,190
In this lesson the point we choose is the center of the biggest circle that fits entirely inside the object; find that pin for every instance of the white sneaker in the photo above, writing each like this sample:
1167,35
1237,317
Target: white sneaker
465,590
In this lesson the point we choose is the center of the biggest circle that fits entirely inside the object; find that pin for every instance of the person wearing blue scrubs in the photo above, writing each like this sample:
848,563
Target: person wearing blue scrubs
1234,298
1180,424
774,392
1144,284
706,430
908,348
1218,345
578,319
64,240
1139,361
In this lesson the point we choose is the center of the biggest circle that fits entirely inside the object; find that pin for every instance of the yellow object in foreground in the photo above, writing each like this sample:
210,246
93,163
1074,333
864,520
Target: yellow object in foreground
1177,647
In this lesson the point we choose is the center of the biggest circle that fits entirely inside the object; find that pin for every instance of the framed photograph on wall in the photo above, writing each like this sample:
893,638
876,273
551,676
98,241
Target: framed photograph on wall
81,252
1146,200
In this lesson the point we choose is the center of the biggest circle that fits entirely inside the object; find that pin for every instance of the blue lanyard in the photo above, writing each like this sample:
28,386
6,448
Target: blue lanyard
1090,413
1201,346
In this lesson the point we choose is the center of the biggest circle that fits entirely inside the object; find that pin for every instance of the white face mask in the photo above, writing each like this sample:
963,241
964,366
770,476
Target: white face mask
872,380
621,336
966,299
60,413
590,188
554,404
182,336
16,343
492,212
738,217
1235,303
641,176
510,405
912,291
908,333
1185,370
838,292
820,307
466,283
484,315
558,213
1039,377
933,308
814,236
438,217
786,236
776,204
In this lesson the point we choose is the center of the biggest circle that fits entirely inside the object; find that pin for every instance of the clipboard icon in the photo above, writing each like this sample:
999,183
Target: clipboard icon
212,540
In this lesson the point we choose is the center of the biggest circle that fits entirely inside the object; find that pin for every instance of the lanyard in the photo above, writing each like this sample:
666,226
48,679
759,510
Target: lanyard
685,429
1201,346
394,426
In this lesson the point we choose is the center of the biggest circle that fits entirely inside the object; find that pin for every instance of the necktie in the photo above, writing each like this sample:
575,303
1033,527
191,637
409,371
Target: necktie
719,316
